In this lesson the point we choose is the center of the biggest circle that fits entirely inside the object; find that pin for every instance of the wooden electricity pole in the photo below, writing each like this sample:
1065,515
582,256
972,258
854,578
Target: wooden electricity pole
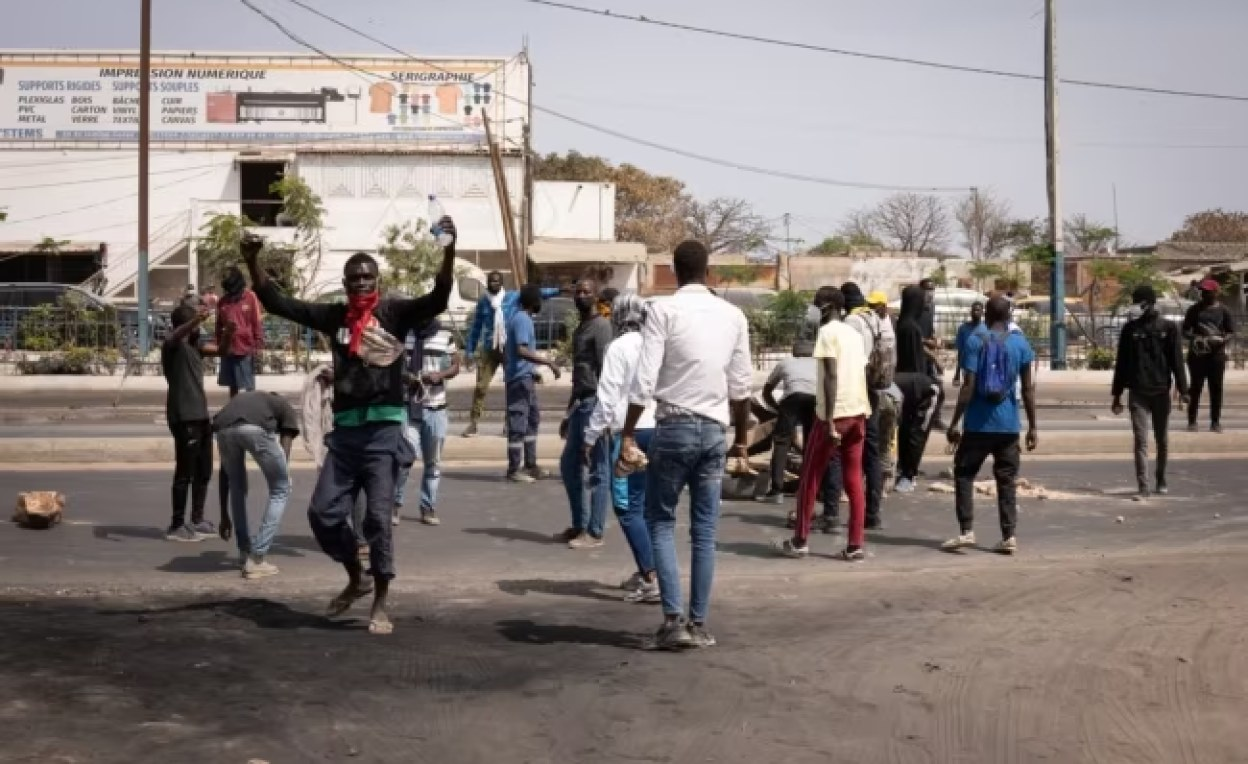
145,140
518,266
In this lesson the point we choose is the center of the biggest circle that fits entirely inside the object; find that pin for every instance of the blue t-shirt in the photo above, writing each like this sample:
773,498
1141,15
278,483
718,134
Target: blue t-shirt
519,332
981,415
964,332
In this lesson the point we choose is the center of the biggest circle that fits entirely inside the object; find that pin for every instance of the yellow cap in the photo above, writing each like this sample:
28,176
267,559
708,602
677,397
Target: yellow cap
877,298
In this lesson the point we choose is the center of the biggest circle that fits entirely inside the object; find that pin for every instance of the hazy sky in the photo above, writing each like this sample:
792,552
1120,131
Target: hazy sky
807,112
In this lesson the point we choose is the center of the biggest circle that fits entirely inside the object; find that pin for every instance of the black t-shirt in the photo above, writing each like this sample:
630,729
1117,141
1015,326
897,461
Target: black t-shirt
269,411
183,368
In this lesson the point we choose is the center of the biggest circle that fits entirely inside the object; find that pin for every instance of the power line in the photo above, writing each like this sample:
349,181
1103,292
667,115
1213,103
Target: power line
639,19
599,128
106,202
127,176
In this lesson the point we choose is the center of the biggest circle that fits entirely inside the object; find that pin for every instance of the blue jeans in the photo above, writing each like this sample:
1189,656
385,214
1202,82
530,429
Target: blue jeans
427,437
235,443
574,472
629,497
686,450
237,372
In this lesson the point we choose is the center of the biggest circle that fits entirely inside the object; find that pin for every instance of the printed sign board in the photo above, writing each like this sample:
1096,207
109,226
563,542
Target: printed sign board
250,99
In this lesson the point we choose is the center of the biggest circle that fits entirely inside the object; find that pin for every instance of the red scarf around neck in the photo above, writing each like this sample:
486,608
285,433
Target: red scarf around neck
359,313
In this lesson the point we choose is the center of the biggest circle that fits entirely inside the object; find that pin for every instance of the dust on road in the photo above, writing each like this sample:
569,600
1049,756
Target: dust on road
1137,657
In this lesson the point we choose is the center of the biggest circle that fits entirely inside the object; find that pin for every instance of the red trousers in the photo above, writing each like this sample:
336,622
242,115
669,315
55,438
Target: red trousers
819,452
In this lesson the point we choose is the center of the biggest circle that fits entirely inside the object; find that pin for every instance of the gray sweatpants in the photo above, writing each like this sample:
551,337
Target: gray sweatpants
1149,408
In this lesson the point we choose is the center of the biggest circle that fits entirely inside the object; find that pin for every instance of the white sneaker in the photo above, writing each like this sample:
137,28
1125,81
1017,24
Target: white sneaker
256,567
959,542
647,592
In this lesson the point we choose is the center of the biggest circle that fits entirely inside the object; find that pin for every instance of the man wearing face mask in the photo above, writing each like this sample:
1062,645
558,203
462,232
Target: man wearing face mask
239,308
367,444
589,347
1150,355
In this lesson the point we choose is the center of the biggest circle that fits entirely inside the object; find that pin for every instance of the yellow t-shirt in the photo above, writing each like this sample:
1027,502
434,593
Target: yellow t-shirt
844,344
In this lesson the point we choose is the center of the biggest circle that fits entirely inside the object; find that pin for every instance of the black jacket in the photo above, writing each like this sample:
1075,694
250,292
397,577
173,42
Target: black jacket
356,384
910,356
1150,353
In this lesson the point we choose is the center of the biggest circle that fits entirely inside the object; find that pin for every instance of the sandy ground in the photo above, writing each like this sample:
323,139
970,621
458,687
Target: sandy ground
1102,642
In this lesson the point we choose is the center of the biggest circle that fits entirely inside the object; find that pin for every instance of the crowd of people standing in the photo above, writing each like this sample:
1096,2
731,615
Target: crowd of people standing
660,402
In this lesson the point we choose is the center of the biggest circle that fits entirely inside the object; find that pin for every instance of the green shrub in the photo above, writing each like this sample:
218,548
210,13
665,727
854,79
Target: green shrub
1100,358
75,360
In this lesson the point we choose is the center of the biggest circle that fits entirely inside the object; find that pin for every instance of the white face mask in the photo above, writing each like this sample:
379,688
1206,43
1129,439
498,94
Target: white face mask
1136,311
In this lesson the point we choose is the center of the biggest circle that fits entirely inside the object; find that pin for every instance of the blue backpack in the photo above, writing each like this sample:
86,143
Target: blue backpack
993,383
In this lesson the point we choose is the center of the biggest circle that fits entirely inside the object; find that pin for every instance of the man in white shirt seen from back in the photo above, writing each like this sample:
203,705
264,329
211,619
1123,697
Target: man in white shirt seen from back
695,364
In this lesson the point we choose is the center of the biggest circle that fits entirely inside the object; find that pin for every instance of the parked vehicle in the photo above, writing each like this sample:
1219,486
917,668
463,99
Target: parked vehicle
1037,309
1109,327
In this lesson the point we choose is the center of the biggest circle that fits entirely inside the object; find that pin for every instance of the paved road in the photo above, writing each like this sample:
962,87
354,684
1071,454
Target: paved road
1101,641
147,423
492,527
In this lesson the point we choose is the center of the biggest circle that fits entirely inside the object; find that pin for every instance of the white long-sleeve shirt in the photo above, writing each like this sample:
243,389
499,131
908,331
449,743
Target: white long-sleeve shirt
619,369
695,356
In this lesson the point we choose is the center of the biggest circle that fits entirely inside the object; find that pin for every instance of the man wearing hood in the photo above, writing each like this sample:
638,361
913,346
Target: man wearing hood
1150,356
239,308
367,444
919,389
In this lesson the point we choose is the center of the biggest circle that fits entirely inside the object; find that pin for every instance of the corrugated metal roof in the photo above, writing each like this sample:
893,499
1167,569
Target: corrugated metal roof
66,248
550,251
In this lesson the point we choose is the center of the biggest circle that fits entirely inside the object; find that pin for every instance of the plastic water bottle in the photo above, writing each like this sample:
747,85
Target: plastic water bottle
436,213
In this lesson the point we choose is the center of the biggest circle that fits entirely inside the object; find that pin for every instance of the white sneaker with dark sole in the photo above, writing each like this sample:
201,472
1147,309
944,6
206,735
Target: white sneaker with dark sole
958,543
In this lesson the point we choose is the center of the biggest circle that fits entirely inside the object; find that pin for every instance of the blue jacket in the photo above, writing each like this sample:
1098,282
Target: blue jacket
482,331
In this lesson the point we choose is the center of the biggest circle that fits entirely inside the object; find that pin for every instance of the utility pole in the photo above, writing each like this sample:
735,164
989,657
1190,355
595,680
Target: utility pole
1057,291
1117,230
145,140
788,240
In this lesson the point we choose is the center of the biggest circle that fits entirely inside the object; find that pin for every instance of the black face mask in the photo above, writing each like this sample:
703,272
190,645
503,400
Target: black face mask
585,304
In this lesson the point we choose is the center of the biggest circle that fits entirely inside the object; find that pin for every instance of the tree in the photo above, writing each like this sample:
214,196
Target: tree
912,223
1088,237
412,257
833,245
294,266
1213,226
859,229
985,224
982,270
648,208
726,225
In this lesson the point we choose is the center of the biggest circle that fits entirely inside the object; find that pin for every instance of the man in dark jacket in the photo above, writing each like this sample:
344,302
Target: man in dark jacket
1207,326
367,444
1150,355
919,389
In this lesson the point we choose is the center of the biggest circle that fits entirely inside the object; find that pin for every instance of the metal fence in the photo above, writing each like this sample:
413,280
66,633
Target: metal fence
1091,339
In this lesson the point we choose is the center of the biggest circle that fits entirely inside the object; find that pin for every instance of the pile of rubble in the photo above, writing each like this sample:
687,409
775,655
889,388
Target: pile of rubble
1024,488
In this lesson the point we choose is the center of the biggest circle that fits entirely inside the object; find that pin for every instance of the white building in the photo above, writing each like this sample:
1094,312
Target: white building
374,138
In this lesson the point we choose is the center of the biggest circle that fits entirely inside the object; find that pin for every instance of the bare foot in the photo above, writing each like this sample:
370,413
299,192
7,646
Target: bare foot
380,623
343,602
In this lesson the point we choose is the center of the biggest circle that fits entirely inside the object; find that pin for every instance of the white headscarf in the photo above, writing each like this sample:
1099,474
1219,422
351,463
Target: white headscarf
500,323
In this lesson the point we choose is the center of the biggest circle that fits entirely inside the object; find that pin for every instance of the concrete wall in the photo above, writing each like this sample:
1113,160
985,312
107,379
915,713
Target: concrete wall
92,196
568,210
